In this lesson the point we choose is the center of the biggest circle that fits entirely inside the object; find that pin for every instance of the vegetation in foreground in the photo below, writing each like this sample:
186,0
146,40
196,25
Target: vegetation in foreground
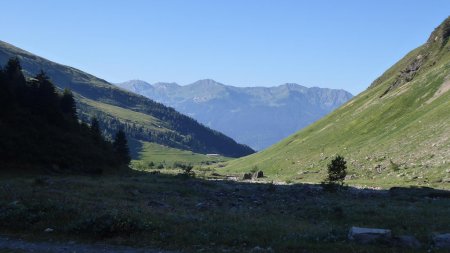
177,212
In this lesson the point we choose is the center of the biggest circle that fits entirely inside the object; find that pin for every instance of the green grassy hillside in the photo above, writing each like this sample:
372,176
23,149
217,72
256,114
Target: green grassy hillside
396,132
153,155
142,118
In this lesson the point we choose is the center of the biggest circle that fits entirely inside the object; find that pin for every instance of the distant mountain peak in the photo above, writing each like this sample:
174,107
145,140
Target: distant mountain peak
257,116
207,82
166,85
293,85
137,82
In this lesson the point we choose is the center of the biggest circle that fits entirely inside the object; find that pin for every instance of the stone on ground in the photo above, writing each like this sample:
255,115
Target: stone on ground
368,235
442,241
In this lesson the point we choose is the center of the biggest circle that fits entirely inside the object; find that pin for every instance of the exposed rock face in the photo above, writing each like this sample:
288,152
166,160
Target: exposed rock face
407,74
441,34
369,235
426,55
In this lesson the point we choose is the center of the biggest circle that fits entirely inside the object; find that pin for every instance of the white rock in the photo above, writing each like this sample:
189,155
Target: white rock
367,235
49,230
442,241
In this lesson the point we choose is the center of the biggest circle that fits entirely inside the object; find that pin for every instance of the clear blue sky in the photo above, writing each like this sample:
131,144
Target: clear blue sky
336,44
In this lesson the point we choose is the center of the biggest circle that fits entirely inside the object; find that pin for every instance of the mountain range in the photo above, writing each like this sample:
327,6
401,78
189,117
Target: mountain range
397,131
256,116
143,119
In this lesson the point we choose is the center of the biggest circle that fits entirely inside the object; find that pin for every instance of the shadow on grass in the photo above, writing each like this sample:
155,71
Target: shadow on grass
183,212
135,147
407,192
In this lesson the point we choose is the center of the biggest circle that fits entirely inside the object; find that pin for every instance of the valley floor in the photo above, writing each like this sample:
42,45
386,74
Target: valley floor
181,213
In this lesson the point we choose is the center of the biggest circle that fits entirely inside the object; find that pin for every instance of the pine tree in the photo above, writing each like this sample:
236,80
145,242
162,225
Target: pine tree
5,94
46,92
45,87
121,149
95,130
68,105
13,71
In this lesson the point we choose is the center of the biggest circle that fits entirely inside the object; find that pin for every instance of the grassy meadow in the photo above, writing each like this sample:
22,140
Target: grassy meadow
177,212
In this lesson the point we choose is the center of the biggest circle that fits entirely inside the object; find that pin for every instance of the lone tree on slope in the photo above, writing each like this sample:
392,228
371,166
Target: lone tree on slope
337,170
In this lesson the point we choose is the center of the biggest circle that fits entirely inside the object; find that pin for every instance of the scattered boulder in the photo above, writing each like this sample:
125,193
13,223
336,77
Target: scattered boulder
42,181
350,177
253,176
369,235
441,241
202,206
134,192
49,230
154,203
258,249
247,176
258,174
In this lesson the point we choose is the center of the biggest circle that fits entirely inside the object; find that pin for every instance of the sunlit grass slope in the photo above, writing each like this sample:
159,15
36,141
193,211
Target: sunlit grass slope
395,132
168,157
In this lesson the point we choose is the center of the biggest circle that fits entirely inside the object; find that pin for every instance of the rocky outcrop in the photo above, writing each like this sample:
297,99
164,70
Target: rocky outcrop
253,176
441,34
407,74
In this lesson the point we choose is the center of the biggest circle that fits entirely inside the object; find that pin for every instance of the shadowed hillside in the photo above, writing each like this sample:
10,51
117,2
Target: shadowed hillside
142,118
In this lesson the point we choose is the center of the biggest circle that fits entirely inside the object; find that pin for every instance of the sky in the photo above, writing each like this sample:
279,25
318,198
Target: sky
334,44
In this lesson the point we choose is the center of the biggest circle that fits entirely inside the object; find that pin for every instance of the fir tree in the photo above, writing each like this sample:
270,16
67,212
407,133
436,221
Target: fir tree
95,129
13,71
121,149
68,105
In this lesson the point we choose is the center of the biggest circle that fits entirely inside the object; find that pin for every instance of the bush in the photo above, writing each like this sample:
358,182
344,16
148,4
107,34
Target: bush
394,166
187,170
254,169
337,170
108,225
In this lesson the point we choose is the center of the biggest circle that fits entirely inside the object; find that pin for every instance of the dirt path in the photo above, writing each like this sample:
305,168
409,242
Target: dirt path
7,243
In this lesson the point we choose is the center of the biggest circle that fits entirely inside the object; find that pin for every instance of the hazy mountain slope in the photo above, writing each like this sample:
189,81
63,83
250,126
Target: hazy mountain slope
398,130
117,108
257,116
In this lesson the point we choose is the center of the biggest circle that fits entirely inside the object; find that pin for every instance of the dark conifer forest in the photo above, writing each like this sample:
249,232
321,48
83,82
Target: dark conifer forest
39,128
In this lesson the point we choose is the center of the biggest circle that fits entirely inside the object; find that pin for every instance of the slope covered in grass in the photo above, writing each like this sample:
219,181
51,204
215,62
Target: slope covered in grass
152,156
395,132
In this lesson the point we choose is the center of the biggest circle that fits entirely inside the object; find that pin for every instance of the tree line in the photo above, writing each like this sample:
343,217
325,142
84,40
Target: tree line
40,128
